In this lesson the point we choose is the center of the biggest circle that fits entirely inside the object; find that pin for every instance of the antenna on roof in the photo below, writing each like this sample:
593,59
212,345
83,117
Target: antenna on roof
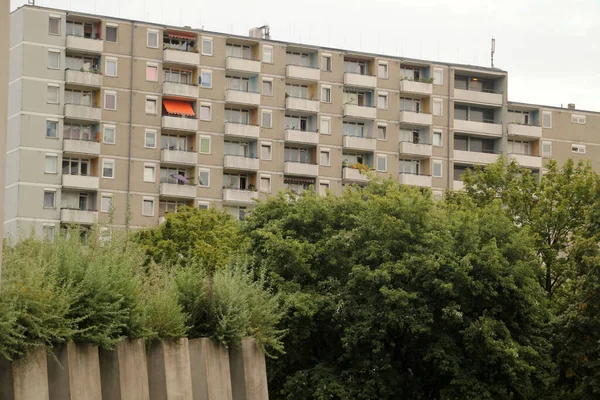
493,50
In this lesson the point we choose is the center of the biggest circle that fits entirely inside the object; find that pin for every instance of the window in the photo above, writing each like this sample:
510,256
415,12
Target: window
54,26
325,125
48,231
108,169
267,88
152,38
519,147
149,173
326,94
382,101
547,119
106,203
265,184
51,127
150,139
49,198
324,158
203,205
151,73
110,67
578,148
206,79
205,112
578,119
265,151
267,54
53,94
382,70
382,163
110,100
53,59
148,207
204,177
438,107
178,76
437,168
382,132
207,46
323,188
76,166
112,33
437,138
205,144
326,63
51,163
110,132
438,76
151,105
267,119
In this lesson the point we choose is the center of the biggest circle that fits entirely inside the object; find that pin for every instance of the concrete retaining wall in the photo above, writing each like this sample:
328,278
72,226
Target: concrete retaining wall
248,372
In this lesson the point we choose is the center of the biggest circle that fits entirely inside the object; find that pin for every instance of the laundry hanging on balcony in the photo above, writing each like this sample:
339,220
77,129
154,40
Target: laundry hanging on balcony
180,178
179,108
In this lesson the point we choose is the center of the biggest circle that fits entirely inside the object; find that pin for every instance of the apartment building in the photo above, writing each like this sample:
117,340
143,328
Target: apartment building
123,121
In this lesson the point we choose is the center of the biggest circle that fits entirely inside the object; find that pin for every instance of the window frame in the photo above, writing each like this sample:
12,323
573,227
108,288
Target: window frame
148,33
114,128
548,114
204,137
205,105
202,81
48,231
270,146
266,47
55,18
112,93
106,61
328,119
210,40
151,200
269,82
150,65
440,101
149,100
328,64
441,72
201,170
53,121
579,147
325,151
110,25
387,73
49,156
262,119
579,119
549,153
150,131
53,192
441,165
106,196
266,177
381,157
384,127
328,88
57,53
108,161
147,167
385,96
433,133
54,87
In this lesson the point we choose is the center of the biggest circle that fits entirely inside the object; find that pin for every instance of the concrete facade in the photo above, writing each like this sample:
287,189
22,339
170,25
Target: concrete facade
4,65
265,116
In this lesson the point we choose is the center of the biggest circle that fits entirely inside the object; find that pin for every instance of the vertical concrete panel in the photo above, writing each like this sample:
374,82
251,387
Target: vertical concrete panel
248,372
6,380
209,364
169,371
30,376
77,377
124,372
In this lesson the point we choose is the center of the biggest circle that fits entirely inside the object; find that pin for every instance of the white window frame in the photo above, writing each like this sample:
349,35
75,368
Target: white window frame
578,148
321,130
578,119
386,97
262,118
437,70
209,72
207,105
150,99
57,87
56,52
549,114
381,157
114,128
108,161
148,166
203,205
267,80
384,126
55,121
208,173
59,19
328,87
49,190
441,138
270,146
153,132
264,58
111,59
205,137
154,32
440,101
546,154
441,164
144,200
106,196
113,93
328,152
151,65
207,39
264,176
55,157
385,64
112,25
324,184
52,230
330,57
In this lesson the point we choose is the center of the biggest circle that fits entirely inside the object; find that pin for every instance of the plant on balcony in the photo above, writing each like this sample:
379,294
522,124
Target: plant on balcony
363,168
252,187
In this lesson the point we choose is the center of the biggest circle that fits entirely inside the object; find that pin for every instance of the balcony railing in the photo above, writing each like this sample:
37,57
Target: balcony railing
302,137
85,45
525,130
171,122
483,126
360,112
181,57
484,96
241,130
358,80
415,118
83,112
86,182
83,78
300,168
177,89
476,157
178,190
240,196
302,72
302,104
245,66
418,150
236,162
359,143
81,146
78,216
414,179
244,97
178,156
526,160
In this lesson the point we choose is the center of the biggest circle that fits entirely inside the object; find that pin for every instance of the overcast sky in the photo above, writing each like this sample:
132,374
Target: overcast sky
550,48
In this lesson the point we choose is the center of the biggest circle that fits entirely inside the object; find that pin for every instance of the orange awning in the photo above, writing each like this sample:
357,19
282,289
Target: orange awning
179,107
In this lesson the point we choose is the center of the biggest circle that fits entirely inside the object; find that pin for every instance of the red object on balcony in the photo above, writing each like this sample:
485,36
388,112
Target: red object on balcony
179,108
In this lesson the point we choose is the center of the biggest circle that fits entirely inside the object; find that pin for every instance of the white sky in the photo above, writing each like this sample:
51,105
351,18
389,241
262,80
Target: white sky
549,47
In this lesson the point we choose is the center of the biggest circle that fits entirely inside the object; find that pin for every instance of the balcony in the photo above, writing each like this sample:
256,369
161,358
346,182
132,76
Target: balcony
458,185
353,175
240,97
489,128
423,89
415,180
474,96
239,196
302,73
300,169
180,90
242,65
83,79
85,45
82,182
527,161
528,131
475,157
415,150
361,112
359,143
179,123
414,118
240,163
173,190
75,146
361,81
181,57
302,105
83,217
178,157
302,137
242,130
83,113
